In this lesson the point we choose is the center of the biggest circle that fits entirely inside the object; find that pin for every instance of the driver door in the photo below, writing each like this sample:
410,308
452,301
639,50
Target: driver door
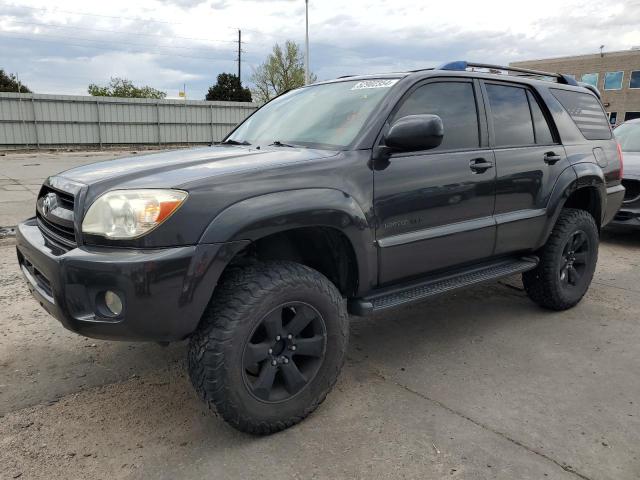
434,208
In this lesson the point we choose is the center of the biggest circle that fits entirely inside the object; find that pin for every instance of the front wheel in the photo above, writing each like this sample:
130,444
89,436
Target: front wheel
567,262
270,345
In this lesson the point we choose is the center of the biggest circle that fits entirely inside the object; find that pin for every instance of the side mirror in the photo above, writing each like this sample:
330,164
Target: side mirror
415,132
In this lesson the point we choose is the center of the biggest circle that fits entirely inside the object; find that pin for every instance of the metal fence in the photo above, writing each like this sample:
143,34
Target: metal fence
35,120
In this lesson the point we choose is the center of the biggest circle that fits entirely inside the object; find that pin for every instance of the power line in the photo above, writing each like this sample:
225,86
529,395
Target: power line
38,74
141,20
239,56
111,41
120,31
259,32
107,48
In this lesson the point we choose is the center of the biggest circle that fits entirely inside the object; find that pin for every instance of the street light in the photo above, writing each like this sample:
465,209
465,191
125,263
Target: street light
306,57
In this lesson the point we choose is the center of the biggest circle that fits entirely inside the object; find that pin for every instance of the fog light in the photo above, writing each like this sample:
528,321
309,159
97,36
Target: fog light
113,302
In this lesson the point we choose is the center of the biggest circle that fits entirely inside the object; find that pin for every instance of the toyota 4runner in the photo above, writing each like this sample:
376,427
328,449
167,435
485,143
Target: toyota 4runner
354,195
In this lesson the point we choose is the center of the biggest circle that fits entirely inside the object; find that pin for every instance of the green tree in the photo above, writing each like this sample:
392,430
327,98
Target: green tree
121,87
228,89
9,83
282,71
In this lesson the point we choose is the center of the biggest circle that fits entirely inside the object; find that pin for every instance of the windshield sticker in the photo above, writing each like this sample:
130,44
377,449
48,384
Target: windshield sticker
374,84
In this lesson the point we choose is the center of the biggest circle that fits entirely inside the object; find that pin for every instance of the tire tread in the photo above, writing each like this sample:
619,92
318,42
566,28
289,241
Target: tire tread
240,291
539,283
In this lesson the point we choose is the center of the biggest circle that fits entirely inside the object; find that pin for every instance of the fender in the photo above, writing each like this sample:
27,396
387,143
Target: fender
579,175
263,215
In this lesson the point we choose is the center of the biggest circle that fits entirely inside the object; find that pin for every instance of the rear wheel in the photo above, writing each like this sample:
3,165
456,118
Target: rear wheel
270,345
567,262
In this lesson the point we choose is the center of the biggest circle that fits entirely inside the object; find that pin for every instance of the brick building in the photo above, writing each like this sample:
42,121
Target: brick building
615,74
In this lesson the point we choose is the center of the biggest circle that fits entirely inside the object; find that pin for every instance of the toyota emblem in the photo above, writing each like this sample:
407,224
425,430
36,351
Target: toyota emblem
49,203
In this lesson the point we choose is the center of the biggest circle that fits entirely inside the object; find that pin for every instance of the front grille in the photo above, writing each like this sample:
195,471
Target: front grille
63,235
56,224
632,190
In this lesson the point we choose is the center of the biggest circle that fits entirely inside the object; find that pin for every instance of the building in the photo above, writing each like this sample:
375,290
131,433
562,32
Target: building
615,74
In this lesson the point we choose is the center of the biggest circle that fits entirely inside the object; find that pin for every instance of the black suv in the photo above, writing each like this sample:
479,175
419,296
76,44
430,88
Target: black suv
348,196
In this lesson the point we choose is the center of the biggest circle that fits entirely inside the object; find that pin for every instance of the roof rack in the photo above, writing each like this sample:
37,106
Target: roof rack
462,66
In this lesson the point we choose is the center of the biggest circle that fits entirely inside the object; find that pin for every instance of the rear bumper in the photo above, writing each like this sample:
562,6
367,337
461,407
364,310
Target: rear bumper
164,291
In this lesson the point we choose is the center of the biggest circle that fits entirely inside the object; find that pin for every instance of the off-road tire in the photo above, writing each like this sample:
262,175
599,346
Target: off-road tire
240,302
543,284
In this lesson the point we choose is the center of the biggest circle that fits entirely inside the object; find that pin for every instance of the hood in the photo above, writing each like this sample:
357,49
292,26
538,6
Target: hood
179,167
631,164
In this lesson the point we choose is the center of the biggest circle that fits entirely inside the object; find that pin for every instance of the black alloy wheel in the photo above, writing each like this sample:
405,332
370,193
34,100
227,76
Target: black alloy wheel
284,352
574,260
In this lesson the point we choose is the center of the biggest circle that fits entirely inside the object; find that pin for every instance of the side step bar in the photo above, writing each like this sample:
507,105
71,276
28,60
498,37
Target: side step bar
424,288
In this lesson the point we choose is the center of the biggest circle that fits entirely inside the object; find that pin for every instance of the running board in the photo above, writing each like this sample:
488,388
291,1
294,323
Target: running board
424,288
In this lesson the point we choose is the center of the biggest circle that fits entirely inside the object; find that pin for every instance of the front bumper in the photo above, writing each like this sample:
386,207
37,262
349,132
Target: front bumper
627,217
164,291
629,214
615,196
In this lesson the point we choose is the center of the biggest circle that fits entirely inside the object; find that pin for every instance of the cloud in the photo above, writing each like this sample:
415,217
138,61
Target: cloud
165,43
194,3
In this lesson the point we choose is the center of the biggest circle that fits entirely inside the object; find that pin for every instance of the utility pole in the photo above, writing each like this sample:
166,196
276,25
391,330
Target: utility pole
239,54
306,57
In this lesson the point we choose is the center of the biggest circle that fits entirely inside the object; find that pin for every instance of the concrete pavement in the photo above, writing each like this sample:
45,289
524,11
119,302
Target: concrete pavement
480,384
22,174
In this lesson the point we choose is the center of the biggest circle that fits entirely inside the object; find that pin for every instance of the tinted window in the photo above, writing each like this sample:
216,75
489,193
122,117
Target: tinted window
586,112
511,117
454,103
634,82
540,125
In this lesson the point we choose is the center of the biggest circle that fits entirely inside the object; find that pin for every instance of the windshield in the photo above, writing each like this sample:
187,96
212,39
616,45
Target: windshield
628,135
329,115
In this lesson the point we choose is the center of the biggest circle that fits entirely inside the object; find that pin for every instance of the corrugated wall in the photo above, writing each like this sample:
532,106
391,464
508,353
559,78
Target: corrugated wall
34,120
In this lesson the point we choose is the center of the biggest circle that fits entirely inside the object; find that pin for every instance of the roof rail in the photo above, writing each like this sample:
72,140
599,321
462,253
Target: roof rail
462,65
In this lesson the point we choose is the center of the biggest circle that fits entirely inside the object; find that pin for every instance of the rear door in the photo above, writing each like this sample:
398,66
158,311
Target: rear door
434,208
529,158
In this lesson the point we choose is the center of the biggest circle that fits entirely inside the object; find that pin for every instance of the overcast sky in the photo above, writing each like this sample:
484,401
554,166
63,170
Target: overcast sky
62,46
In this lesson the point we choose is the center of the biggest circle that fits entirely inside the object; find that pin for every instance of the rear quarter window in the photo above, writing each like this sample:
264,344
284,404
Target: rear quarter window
586,112
511,116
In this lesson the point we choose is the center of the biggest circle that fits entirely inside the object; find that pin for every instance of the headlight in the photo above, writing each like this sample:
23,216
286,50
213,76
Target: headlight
126,214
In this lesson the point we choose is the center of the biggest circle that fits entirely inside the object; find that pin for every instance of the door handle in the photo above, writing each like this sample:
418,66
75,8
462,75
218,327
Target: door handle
550,158
480,165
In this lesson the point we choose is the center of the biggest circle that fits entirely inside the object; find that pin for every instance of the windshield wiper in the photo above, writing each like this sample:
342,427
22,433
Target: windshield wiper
278,143
234,142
